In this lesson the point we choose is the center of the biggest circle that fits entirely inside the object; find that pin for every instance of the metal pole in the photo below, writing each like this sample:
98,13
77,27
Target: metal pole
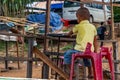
47,24
6,56
30,54
115,55
45,67
104,11
58,50
17,48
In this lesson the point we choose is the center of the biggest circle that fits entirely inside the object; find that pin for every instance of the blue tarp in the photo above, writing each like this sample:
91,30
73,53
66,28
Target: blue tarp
56,6
6,26
55,19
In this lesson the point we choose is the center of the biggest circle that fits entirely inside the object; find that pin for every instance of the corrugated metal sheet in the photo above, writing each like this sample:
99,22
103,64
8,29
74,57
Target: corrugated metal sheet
55,4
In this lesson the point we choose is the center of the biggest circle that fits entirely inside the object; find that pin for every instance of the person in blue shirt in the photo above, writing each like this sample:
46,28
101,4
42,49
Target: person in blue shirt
101,32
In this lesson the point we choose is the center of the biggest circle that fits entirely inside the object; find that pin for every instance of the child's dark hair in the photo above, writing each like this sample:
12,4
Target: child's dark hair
84,13
102,23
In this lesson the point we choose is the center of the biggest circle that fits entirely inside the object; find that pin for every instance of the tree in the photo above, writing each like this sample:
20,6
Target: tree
116,14
14,7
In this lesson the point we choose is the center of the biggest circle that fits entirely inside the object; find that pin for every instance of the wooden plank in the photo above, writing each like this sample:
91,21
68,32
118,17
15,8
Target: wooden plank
108,41
19,59
16,78
46,60
98,2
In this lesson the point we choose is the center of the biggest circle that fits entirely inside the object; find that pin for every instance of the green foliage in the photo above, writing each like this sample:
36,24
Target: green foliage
116,14
67,47
2,45
13,7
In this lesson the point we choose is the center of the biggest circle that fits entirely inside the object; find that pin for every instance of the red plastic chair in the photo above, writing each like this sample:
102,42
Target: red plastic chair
95,58
96,61
105,52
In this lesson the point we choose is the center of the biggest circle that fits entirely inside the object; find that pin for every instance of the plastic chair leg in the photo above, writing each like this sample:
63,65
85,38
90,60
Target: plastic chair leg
97,67
105,52
111,65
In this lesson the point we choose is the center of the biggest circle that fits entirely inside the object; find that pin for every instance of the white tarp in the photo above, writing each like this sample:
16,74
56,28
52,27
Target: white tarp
8,38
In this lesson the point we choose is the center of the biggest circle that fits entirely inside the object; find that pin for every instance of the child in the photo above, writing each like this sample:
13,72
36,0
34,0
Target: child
86,32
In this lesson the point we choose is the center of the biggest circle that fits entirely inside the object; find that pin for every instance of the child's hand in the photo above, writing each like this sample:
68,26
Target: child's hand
73,35
106,33
70,34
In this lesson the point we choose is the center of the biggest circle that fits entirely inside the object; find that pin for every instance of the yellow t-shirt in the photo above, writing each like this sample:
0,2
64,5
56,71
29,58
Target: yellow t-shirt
85,33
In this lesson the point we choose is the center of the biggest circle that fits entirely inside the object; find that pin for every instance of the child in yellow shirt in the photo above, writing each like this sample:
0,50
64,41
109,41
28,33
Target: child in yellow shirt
86,32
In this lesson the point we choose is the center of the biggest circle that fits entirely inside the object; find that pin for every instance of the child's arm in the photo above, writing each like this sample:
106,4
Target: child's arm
95,44
73,31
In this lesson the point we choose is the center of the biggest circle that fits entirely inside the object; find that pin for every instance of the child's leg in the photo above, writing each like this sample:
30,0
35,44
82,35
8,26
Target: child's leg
68,56
90,72
101,38
67,59
87,63
67,68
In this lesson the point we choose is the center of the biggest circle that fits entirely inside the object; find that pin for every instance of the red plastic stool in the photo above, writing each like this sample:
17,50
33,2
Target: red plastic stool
105,52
